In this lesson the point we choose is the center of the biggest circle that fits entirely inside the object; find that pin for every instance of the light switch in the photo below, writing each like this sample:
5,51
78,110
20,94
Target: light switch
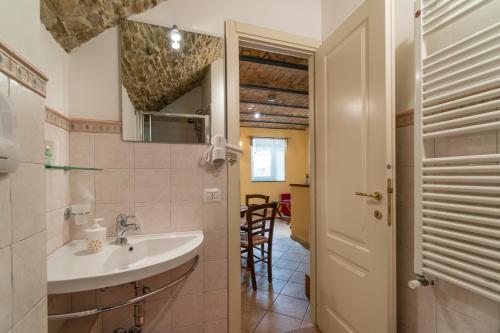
212,195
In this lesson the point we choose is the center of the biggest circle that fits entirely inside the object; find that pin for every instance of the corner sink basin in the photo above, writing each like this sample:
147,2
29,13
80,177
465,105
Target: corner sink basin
72,268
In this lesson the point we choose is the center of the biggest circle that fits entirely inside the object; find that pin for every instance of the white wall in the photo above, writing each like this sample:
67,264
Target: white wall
335,12
218,100
129,118
94,88
55,65
21,30
405,77
190,102
301,17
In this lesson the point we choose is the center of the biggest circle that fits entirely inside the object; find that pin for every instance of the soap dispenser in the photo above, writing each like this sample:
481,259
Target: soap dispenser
96,236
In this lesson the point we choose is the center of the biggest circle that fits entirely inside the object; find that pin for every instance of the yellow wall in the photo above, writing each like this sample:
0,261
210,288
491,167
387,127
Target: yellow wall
296,161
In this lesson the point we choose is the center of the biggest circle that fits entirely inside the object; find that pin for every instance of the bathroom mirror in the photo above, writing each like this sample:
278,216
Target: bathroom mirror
172,84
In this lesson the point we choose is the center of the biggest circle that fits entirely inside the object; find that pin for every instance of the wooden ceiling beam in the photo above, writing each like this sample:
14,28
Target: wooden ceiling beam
275,105
273,122
274,114
277,63
274,89
273,126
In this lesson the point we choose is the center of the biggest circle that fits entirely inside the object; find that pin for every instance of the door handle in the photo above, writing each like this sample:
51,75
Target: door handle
375,195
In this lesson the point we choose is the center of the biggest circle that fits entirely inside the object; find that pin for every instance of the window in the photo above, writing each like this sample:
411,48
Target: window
268,159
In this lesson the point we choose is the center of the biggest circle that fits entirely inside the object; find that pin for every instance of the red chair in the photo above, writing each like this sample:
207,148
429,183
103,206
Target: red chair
285,207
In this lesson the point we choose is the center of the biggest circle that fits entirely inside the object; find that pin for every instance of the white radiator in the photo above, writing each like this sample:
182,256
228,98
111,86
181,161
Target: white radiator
457,139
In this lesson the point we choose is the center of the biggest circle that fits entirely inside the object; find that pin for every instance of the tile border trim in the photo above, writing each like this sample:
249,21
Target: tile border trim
57,119
95,126
22,71
404,118
82,125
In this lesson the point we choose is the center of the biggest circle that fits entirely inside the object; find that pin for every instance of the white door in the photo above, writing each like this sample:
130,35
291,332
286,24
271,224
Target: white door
356,287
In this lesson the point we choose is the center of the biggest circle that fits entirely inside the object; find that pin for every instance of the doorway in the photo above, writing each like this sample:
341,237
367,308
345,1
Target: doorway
262,121
274,172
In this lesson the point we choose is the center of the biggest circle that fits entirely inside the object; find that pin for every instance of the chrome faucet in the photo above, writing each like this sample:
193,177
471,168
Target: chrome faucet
122,227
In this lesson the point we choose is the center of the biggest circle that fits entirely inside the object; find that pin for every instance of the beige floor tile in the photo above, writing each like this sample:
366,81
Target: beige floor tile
277,254
259,298
276,286
307,316
296,290
250,317
298,277
290,306
287,264
282,274
306,330
293,256
306,324
277,323
304,267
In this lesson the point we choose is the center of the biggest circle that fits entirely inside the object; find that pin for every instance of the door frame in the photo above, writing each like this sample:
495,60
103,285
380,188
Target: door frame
272,40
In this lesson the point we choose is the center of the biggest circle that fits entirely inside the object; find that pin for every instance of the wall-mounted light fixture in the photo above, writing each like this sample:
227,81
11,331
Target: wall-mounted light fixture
272,98
175,38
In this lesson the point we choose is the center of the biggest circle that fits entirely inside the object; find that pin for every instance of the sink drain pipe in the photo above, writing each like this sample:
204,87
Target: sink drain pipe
136,301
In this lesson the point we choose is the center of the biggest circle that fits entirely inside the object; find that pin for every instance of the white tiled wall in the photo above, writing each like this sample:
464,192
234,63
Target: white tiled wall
57,190
22,221
162,185
443,308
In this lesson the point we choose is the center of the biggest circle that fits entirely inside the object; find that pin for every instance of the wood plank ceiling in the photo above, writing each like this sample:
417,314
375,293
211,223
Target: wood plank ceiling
274,90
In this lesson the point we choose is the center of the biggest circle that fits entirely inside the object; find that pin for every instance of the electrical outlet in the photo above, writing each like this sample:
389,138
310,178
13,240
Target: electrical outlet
212,195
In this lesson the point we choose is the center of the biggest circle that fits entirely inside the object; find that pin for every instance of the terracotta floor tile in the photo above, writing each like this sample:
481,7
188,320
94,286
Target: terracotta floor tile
277,323
290,306
306,324
281,306
250,317
259,298
306,330
276,286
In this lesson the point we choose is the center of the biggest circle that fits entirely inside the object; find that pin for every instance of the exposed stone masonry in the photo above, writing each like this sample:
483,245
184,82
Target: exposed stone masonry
74,22
153,73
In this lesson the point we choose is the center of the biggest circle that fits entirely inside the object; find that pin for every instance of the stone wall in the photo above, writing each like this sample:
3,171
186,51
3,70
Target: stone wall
74,22
154,73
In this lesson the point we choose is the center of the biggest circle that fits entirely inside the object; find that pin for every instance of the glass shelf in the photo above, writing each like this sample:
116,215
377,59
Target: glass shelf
69,168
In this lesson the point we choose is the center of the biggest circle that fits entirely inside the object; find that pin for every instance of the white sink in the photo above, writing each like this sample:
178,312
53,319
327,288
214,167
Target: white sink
72,268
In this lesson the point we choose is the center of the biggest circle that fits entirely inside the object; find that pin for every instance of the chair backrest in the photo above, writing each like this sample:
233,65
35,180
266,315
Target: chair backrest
285,196
259,224
261,199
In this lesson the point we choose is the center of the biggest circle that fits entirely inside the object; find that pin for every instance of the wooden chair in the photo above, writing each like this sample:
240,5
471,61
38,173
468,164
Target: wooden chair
257,233
261,198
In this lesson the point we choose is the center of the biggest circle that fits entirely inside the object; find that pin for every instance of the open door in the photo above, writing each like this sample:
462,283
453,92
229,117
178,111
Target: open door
355,152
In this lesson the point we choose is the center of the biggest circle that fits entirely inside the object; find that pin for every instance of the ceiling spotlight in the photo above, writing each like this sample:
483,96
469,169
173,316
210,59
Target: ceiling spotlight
257,115
175,37
271,98
251,107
